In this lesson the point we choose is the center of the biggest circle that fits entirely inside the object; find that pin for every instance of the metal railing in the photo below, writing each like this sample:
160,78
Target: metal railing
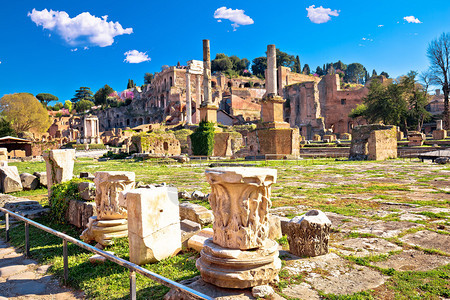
132,267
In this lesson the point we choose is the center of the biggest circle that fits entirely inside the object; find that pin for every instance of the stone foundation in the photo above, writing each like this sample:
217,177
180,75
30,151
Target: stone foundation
439,134
374,142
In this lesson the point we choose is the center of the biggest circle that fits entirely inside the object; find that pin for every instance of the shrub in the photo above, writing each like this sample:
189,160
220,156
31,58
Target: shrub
60,196
203,139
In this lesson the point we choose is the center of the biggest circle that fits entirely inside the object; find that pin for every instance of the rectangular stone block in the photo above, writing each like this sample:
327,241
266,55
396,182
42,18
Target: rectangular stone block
439,134
197,241
196,213
153,224
10,180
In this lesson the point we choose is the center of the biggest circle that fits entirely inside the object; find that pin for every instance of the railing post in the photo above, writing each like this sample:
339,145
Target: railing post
7,226
132,285
27,240
66,262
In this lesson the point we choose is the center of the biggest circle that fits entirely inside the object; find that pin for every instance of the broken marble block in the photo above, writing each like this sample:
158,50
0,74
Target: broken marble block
10,180
196,213
188,229
29,182
197,241
42,176
308,235
153,224
87,190
59,165
274,227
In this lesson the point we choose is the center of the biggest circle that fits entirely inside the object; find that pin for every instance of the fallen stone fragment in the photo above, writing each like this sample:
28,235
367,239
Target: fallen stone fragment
29,182
188,229
10,180
98,259
262,291
308,235
197,241
196,213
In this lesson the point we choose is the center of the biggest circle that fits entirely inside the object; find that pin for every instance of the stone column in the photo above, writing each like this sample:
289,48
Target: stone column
84,130
111,220
59,166
240,200
439,125
199,99
206,73
188,99
208,111
271,77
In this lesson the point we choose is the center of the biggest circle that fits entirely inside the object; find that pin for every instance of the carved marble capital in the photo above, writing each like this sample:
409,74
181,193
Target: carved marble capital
110,204
240,201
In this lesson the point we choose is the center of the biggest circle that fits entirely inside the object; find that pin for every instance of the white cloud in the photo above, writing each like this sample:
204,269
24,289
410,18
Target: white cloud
412,19
84,28
237,16
367,39
135,57
321,15
380,25
74,50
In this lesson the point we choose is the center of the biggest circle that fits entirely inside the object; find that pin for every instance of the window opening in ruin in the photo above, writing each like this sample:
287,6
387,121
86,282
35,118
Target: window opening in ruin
170,81
229,84
166,146
343,101
213,84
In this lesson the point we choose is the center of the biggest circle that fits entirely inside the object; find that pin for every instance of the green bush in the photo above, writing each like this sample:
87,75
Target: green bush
203,139
60,196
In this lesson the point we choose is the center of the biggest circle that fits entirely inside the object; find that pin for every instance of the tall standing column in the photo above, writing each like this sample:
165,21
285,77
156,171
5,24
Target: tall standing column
188,99
207,73
271,79
208,110
199,99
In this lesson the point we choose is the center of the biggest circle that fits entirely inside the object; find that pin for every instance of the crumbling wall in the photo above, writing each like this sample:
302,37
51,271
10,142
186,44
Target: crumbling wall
163,143
373,142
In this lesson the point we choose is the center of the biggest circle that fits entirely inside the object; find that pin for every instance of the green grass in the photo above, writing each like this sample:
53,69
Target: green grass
102,281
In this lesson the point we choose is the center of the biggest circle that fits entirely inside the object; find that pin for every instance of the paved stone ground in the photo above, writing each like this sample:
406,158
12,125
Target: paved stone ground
22,278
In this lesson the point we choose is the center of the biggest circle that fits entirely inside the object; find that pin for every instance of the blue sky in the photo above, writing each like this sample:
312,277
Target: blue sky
56,50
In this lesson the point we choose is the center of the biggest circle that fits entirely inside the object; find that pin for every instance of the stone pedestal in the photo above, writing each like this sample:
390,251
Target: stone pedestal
439,134
153,224
308,235
111,219
416,138
59,166
240,255
373,142
208,113
239,269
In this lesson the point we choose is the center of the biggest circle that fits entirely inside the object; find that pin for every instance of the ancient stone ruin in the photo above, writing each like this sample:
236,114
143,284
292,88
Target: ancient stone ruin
10,179
273,135
59,166
308,235
439,133
111,220
240,254
373,142
208,111
416,138
153,224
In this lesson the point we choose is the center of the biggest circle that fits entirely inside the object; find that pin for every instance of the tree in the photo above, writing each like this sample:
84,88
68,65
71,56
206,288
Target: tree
259,66
340,66
374,73
83,105
355,73
284,59
6,128
384,74
297,65
417,98
366,77
319,71
46,98
221,63
425,79
306,70
36,118
100,97
438,53
148,78
57,106
68,105
130,84
82,93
